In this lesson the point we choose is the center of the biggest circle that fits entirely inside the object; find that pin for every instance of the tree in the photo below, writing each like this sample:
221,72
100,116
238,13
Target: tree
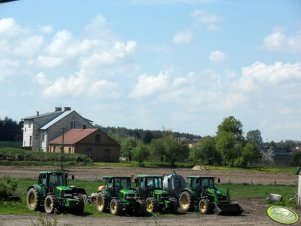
140,152
127,147
148,137
10,130
254,136
229,139
205,152
250,153
169,148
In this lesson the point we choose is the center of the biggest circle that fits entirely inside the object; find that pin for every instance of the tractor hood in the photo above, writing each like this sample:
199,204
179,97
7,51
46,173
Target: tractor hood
63,188
160,192
127,191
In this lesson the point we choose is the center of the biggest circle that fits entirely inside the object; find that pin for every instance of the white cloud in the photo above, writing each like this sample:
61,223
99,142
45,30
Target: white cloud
279,41
29,46
150,84
183,37
42,79
260,73
8,68
208,20
48,61
60,42
217,56
9,27
119,51
47,29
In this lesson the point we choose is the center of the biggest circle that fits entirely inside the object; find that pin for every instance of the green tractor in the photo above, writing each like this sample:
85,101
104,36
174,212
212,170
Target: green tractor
201,193
53,194
118,196
150,188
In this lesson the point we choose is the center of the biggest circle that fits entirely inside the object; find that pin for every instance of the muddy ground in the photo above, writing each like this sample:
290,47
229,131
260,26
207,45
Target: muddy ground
255,208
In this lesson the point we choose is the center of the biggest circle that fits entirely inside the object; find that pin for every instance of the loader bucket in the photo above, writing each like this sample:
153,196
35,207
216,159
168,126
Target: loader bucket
228,209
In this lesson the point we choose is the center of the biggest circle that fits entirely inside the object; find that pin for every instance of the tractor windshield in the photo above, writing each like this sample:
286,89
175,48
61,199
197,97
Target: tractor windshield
154,183
123,183
207,182
57,180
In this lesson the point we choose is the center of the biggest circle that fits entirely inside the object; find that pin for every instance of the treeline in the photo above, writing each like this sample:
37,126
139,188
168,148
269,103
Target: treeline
10,130
144,135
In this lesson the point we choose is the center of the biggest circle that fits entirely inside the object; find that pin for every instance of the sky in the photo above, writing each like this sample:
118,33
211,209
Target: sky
182,65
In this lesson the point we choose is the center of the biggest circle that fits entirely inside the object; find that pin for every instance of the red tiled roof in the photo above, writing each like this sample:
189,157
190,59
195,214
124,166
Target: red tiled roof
73,136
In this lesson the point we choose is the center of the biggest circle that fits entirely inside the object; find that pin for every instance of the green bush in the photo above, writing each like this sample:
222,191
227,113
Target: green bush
8,187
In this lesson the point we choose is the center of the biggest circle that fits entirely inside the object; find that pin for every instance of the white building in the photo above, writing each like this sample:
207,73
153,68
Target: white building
38,130
299,188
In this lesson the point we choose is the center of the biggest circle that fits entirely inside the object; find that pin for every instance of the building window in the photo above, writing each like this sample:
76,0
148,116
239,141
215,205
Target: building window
72,125
69,149
97,138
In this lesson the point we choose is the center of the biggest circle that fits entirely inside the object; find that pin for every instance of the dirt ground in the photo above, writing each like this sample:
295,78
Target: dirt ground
255,208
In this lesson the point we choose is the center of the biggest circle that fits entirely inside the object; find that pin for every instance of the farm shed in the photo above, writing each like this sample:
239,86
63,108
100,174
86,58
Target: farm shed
89,141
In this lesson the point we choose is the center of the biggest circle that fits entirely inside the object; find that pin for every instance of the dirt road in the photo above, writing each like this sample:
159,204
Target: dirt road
92,173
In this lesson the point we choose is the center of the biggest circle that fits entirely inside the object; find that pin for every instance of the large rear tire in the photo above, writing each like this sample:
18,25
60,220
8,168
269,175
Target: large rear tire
151,205
101,203
51,204
185,201
33,199
115,207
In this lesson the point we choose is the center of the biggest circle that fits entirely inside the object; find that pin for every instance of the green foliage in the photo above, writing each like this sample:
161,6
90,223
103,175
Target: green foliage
140,152
127,146
296,159
8,187
250,153
169,149
205,152
16,156
254,136
10,130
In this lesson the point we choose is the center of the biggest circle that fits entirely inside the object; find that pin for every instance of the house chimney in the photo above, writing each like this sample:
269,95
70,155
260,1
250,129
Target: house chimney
57,109
38,113
67,108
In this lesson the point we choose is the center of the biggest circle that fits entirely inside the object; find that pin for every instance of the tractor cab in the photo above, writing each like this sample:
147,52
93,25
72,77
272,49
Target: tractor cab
200,184
115,184
150,188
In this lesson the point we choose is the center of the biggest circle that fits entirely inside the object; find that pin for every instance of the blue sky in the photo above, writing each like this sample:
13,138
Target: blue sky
173,64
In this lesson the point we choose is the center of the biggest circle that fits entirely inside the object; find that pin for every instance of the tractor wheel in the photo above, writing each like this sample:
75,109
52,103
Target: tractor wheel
79,209
204,206
33,199
101,203
173,205
51,204
142,207
185,201
115,207
151,205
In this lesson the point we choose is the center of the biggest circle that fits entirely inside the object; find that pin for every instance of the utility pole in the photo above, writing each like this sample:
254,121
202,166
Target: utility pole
62,151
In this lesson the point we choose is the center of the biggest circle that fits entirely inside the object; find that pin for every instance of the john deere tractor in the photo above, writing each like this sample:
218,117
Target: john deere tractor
117,196
53,194
202,194
150,188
